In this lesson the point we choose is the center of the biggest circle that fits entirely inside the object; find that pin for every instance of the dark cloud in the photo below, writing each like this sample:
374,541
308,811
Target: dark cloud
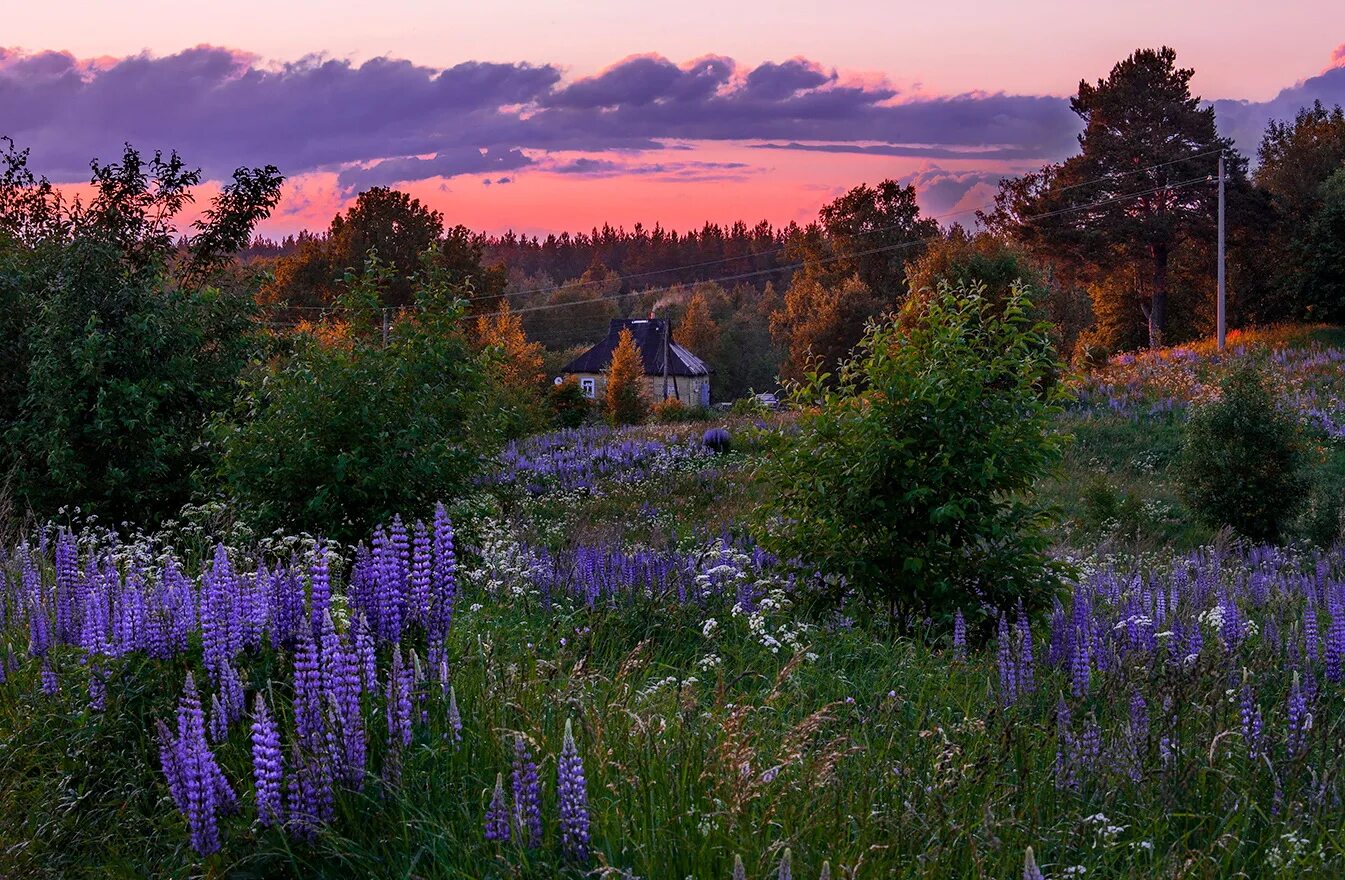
388,120
1245,121
586,166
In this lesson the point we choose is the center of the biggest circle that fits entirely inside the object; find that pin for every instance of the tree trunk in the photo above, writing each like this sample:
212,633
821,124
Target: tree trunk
1158,307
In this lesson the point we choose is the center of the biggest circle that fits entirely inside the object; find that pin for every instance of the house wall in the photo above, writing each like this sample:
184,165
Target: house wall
686,388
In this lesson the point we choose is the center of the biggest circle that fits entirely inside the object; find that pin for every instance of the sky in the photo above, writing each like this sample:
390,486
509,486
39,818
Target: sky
546,116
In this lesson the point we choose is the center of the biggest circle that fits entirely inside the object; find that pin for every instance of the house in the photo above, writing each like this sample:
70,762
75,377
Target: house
670,370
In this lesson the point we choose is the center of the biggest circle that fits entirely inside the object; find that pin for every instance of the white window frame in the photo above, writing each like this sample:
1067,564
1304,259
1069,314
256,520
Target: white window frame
590,387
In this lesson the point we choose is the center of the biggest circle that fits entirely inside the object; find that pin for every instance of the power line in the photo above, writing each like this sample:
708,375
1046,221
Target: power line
575,285
801,264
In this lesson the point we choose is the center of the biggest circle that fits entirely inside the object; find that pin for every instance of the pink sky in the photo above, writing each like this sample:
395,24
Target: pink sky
1247,51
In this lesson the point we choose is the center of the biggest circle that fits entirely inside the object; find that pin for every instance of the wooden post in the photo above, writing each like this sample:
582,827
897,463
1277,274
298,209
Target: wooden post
1220,320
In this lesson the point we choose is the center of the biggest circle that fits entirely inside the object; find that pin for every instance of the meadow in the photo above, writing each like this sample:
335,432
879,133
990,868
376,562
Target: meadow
586,667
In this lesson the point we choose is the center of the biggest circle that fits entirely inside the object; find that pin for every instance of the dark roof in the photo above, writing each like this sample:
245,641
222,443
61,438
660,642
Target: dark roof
648,335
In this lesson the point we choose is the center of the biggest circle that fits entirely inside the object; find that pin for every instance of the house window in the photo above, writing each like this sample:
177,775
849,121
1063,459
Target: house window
589,386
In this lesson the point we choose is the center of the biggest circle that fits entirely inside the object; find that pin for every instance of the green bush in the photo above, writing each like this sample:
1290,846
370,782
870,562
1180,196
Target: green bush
341,435
1243,462
568,404
912,469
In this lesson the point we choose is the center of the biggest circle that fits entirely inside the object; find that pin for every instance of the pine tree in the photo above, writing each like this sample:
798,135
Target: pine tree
1139,189
626,400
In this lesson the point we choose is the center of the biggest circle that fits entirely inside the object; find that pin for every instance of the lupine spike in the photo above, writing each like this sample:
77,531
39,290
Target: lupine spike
739,872
786,870
572,793
1030,869
497,814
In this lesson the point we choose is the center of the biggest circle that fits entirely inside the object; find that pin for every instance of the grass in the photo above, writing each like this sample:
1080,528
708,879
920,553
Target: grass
885,755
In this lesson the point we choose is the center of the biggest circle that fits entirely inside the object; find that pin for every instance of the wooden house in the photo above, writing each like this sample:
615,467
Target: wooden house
671,372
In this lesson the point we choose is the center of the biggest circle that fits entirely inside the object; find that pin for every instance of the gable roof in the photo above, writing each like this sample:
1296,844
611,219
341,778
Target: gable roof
649,337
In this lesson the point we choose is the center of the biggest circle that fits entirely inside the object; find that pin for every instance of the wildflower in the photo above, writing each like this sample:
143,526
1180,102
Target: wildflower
527,796
1030,869
959,636
50,685
497,814
739,872
572,793
454,717
786,870
267,768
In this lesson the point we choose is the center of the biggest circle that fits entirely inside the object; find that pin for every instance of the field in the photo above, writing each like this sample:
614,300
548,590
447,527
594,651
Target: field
382,712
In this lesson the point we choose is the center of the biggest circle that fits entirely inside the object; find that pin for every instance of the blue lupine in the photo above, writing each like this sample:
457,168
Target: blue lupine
321,588
959,636
527,790
454,717
1296,718
1030,869
786,869
497,814
572,796
1008,671
267,764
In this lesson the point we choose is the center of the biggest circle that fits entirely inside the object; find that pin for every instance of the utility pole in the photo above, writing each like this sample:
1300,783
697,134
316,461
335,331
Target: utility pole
1220,316
667,331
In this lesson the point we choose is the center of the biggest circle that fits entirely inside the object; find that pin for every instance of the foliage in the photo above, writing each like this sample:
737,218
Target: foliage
115,346
626,402
1242,462
820,322
401,230
570,406
912,469
516,367
1321,253
1136,194
332,438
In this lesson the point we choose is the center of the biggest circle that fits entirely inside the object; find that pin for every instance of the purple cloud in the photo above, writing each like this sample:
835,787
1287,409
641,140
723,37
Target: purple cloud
388,120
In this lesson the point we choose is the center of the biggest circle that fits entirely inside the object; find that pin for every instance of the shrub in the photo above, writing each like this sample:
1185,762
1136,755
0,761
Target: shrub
669,411
569,404
911,470
1243,460
335,438
717,440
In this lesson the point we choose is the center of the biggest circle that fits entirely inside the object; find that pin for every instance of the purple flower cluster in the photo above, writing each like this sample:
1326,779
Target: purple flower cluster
582,459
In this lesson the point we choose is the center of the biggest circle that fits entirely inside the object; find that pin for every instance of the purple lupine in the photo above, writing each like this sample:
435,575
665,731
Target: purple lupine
97,689
454,717
1080,662
1139,718
572,795
1335,636
786,869
497,814
739,872
320,592
527,789
1066,747
1027,678
50,685
398,711
421,574
1297,719
308,695
444,584
1030,869
959,636
366,653
218,729
267,764
1250,716
233,698
1008,672
204,792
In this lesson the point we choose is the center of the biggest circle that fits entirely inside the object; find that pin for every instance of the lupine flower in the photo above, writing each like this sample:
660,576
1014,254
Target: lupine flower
1297,719
1250,716
97,689
786,870
267,765
497,814
572,794
321,590
1030,869
219,722
1008,672
826,871
454,717
50,685
527,791
739,872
